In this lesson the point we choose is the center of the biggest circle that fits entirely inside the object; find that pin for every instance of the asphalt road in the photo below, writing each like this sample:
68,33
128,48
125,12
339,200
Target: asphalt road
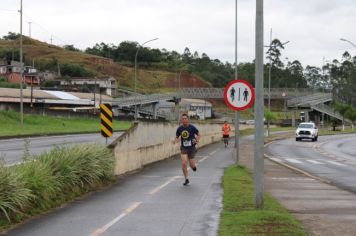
12,150
332,158
150,202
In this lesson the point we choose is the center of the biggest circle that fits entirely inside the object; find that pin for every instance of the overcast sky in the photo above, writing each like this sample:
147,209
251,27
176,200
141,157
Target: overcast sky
313,27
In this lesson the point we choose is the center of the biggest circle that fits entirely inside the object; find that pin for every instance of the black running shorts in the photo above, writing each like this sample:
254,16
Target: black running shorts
189,151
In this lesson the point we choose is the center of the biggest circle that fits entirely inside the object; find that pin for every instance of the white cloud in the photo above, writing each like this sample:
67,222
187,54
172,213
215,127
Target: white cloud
312,27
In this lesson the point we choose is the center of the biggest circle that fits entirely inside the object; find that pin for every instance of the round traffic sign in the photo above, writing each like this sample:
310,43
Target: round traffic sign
239,95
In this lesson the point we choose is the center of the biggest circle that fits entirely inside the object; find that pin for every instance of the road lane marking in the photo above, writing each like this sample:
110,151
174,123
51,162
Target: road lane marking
336,163
315,162
203,159
164,185
114,221
293,178
213,152
292,160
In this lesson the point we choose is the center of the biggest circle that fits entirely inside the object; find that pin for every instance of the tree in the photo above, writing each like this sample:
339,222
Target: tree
342,109
274,53
11,36
71,48
351,115
269,116
313,77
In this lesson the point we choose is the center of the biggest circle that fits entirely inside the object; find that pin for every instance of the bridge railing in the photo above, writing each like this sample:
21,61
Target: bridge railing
308,100
219,92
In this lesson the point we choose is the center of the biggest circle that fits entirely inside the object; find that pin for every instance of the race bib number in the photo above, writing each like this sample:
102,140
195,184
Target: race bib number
187,143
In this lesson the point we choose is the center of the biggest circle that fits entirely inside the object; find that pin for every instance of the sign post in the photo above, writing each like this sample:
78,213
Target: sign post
106,120
239,95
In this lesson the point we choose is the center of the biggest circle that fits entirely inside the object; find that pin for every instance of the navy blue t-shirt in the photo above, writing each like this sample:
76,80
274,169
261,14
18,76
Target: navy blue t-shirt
187,134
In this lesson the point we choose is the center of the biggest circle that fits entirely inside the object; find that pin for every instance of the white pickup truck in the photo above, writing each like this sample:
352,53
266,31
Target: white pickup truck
306,130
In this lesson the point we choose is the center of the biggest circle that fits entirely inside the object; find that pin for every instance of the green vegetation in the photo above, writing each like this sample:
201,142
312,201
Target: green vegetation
239,216
5,84
42,125
54,178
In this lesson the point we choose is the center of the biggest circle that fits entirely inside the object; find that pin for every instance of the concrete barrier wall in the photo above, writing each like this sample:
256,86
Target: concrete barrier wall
148,142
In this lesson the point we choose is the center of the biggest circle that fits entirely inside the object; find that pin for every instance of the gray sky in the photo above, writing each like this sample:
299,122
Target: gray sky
313,27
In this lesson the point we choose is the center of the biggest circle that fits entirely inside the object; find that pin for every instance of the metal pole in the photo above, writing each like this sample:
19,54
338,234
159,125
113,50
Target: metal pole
94,92
29,29
259,137
237,113
269,73
269,80
138,49
21,70
345,40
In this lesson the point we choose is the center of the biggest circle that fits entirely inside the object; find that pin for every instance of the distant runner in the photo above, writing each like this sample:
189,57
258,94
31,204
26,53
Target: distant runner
226,133
189,137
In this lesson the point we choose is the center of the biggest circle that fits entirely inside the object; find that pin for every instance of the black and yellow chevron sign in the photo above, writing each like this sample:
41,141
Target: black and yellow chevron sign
106,119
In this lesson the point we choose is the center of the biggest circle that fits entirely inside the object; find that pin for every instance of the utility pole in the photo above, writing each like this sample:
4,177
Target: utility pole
237,113
259,136
21,70
94,91
29,28
51,39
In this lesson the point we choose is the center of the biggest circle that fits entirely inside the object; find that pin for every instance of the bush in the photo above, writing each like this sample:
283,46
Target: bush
14,195
52,178
74,70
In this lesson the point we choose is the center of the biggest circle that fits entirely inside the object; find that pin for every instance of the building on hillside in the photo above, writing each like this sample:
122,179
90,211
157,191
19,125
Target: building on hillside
48,75
52,102
105,86
195,108
3,69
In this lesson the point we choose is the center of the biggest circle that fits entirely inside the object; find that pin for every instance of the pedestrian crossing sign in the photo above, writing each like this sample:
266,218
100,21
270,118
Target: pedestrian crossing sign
239,95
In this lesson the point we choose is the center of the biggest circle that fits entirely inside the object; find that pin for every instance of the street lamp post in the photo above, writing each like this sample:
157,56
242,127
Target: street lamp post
21,72
138,49
348,41
269,77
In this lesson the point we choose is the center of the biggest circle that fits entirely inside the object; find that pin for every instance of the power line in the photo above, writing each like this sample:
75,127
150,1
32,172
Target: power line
34,22
3,9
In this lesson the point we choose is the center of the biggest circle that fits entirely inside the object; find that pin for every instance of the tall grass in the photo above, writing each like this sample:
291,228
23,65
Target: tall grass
51,179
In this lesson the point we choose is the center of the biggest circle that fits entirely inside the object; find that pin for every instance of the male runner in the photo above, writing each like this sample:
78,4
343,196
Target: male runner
189,136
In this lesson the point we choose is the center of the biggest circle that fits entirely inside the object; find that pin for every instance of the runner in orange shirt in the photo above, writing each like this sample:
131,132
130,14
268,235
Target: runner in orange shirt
226,133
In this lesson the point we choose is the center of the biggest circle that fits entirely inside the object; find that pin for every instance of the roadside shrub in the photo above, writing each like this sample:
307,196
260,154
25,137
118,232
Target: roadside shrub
14,196
52,178
37,177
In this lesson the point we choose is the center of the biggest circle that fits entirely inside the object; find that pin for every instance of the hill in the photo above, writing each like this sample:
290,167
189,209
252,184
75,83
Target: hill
47,57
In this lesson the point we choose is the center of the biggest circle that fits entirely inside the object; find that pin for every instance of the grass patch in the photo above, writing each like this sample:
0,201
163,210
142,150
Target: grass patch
42,125
239,216
339,131
52,179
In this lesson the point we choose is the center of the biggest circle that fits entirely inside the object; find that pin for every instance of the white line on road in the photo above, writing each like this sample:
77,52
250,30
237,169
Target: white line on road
203,159
336,163
164,185
315,162
292,160
291,179
213,152
114,221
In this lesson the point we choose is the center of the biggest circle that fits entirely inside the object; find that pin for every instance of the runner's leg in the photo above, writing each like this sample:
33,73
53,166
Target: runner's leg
184,159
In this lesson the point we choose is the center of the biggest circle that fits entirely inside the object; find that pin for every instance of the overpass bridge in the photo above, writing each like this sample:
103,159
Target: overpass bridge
306,100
